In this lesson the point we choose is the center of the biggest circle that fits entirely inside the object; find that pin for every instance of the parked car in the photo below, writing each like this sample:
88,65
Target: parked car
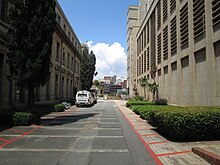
94,98
84,98
66,104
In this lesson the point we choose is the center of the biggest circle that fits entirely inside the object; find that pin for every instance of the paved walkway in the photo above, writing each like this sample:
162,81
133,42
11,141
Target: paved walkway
104,134
164,151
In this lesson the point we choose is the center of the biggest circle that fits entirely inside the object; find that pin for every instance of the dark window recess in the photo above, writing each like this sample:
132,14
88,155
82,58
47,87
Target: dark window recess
217,48
165,43
159,49
216,15
174,66
185,62
159,72
200,55
159,15
165,70
165,12
172,6
173,34
184,27
199,20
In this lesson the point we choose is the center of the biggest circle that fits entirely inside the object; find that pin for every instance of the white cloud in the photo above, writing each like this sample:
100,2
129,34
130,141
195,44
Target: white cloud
110,59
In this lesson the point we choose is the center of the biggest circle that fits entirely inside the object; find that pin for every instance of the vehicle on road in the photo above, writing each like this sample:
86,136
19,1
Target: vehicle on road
66,104
84,98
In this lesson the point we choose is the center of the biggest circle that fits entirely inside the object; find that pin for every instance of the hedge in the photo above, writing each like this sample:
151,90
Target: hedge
188,123
132,103
59,107
24,118
144,111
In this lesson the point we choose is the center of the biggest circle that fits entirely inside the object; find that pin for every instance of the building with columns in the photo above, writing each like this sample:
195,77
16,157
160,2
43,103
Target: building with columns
64,78
179,41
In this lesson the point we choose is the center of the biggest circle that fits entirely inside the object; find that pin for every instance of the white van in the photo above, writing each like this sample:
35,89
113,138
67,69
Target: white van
84,98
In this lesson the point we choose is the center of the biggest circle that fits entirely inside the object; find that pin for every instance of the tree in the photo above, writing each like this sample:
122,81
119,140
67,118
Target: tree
87,69
153,87
30,38
144,84
96,83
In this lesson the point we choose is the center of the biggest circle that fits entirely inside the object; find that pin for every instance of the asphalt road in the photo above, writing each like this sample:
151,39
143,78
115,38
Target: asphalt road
98,135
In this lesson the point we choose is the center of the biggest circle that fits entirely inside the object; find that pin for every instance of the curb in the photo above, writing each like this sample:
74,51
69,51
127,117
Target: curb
208,156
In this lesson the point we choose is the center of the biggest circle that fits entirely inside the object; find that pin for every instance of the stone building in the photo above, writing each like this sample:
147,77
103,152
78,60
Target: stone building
179,41
65,65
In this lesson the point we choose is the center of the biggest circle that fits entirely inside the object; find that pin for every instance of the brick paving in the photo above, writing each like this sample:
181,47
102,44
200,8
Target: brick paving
165,151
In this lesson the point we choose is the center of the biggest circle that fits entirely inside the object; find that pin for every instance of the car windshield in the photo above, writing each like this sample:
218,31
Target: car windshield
82,95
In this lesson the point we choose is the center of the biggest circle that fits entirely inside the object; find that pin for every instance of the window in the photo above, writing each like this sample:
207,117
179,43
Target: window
63,61
158,15
173,36
184,28
200,56
174,66
144,37
58,19
58,51
148,58
64,28
148,32
145,61
198,19
72,61
217,48
2,9
68,60
165,43
69,35
159,49
159,72
165,70
56,86
216,14
165,13
172,6
185,62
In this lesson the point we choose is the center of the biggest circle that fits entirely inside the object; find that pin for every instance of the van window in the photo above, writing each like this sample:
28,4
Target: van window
82,95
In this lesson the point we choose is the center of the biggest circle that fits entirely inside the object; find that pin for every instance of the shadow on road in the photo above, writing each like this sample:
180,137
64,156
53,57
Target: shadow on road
64,119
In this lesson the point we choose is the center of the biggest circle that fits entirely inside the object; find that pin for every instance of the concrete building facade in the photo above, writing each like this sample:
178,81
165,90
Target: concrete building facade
65,64
179,41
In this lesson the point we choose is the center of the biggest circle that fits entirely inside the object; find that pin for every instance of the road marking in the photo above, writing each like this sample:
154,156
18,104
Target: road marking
64,150
4,140
64,136
83,128
174,153
18,137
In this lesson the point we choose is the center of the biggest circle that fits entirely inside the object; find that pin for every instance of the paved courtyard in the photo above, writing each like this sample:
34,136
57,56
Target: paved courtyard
107,133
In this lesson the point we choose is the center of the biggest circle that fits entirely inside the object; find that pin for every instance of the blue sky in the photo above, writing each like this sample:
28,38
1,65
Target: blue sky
103,24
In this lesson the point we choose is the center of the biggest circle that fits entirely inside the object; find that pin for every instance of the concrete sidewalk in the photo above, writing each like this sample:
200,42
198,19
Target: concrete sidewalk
168,152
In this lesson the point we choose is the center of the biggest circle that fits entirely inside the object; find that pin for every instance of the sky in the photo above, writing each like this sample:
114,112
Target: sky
103,25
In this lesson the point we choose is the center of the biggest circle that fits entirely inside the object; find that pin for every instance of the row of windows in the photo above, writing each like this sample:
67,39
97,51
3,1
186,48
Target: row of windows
170,30
67,32
199,57
65,82
68,61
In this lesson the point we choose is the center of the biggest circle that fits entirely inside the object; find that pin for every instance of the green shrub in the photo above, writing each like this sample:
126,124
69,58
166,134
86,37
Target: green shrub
188,123
59,107
161,101
23,118
132,103
145,111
